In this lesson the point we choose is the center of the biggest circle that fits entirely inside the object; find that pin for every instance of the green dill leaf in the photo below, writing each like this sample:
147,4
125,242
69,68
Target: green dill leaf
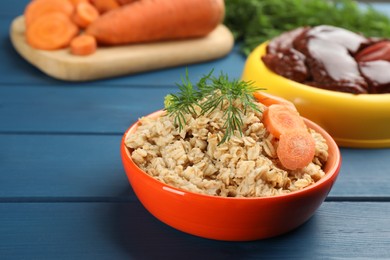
182,103
256,21
212,93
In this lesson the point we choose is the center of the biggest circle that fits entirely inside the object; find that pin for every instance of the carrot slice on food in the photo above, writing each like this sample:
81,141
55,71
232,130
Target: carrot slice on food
281,118
296,149
38,8
268,99
51,32
83,45
85,14
155,20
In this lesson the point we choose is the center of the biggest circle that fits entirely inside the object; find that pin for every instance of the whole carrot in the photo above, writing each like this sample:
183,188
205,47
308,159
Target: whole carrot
156,20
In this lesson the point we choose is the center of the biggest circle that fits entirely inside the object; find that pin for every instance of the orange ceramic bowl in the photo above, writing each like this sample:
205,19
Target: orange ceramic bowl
230,219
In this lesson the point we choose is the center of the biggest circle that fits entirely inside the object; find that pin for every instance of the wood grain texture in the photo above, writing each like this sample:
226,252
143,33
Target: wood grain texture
78,109
122,60
127,231
88,167
12,8
64,194
62,167
98,111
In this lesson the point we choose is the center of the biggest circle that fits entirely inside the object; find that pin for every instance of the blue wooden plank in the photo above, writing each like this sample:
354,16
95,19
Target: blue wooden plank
364,172
88,167
81,109
66,167
12,8
127,231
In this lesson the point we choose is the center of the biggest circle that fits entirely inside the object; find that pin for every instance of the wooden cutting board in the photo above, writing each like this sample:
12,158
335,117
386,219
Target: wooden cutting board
122,60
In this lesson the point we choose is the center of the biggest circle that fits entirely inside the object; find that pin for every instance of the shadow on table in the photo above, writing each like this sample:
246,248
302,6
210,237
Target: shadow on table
145,237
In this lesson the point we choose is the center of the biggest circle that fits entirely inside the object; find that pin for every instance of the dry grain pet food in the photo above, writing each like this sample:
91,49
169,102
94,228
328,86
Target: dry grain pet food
193,158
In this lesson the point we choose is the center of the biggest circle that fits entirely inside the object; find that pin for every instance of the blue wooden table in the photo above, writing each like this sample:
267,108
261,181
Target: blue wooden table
64,193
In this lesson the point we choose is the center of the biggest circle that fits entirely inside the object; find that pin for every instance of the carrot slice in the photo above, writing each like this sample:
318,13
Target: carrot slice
85,14
104,6
296,149
38,8
83,45
268,99
51,31
76,2
280,118
156,20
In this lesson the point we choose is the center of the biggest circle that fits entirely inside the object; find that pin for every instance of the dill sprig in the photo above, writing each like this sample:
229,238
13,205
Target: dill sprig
234,97
183,102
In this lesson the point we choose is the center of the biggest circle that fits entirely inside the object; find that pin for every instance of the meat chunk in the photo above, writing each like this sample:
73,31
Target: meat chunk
376,74
331,66
283,59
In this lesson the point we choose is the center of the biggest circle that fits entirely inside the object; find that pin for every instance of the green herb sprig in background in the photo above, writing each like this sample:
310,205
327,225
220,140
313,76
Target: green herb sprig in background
209,94
255,21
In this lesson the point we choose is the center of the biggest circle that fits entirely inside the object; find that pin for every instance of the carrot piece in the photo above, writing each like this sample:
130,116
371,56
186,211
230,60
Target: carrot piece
51,31
268,99
296,149
85,14
104,6
38,8
280,118
156,20
76,2
83,45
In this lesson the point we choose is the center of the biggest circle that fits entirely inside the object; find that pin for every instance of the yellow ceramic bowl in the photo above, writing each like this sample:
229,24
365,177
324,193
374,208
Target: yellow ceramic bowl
352,120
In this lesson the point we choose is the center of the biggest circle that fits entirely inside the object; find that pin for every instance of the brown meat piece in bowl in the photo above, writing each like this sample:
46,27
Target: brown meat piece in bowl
283,59
330,63
375,72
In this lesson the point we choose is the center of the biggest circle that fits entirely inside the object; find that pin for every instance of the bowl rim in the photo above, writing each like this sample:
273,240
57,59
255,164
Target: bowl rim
332,172
260,51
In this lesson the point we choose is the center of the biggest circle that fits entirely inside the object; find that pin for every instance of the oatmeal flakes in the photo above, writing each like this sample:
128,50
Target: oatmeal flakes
193,159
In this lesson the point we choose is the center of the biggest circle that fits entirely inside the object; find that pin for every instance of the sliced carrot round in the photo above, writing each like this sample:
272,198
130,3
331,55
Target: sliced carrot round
85,14
38,8
296,149
83,45
51,31
268,99
76,2
280,118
